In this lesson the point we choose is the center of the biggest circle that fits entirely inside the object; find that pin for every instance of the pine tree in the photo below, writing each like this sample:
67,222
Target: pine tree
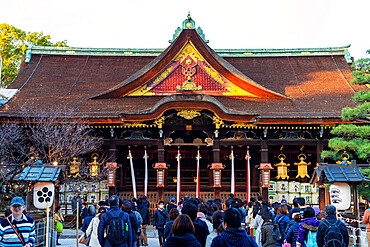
355,138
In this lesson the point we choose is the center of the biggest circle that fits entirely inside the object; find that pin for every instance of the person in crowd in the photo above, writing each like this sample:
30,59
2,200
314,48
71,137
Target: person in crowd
145,202
218,202
103,204
242,208
257,226
77,200
299,203
7,213
58,222
201,216
160,218
321,216
84,212
9,234
145,214
267,239
249,219
172,204
139,220
332,230
118,218
182,233
92,230
127,208
308,224
216,221
233,235
201,230
172,215
230,200
292,233
283,220
90,215
366,220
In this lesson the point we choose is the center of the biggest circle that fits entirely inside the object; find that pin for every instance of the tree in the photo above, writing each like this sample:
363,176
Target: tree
355,138
13,45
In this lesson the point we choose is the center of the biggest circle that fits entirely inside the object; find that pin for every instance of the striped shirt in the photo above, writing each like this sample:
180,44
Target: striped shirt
26,227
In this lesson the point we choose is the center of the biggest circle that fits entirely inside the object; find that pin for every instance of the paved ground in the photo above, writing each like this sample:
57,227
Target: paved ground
68,239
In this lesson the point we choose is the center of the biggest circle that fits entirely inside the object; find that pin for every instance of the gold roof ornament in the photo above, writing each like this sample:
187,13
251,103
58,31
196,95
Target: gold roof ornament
189,113
302,166
282,167
345,158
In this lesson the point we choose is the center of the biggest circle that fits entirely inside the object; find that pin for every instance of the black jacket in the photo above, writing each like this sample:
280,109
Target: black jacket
168,229
160,218
188,240
145,214
234,237
201,231
323,230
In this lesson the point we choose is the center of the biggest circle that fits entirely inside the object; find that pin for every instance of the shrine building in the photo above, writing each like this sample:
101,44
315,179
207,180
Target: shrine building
245,110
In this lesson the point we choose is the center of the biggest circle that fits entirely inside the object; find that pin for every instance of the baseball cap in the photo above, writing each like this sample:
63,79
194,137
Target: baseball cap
283,201
17,201
173,199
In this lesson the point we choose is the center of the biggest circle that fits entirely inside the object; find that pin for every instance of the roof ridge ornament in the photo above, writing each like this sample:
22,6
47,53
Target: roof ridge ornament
188,23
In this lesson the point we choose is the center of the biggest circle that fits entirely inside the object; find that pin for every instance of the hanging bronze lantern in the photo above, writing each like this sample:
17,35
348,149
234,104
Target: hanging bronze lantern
302,166
282,168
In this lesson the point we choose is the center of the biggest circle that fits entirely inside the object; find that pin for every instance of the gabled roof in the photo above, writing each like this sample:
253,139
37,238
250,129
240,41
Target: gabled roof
189,50
331,173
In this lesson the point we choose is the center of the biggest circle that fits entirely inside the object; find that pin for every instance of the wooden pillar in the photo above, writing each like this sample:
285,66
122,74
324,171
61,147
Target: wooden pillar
216,159
356,212
322,196
264,159
161,159
319,148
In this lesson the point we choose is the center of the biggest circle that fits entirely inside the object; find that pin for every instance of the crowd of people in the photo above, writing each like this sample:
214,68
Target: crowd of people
191,222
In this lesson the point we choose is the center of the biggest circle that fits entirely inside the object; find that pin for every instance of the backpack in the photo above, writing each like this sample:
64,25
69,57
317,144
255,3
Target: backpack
311,239
117,229
134,223
333,237
276,231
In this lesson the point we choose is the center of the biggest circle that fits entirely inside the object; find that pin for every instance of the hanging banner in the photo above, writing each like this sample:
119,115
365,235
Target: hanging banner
132,174
197,192
232,172
146,174
248,157
178,157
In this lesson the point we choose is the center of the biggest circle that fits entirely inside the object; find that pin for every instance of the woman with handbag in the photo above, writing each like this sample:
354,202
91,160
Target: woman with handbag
58,221
92,231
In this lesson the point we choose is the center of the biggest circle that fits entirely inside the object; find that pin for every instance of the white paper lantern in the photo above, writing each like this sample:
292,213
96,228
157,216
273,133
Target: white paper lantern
43,192
340,195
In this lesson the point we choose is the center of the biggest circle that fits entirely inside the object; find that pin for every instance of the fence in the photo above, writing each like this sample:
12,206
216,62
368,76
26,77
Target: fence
41,233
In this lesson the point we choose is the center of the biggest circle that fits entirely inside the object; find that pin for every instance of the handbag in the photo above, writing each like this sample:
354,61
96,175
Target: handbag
59,227
285,244
87,240
82,239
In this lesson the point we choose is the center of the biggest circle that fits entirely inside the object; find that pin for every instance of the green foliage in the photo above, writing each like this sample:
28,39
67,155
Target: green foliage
14,44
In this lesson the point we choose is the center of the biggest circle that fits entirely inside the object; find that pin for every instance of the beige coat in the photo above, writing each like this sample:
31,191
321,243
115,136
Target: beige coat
93,230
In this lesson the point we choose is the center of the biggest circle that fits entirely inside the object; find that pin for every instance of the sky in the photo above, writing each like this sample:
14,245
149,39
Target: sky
226,24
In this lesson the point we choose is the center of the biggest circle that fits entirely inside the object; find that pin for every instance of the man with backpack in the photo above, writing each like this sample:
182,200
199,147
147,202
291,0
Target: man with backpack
332,232
117,225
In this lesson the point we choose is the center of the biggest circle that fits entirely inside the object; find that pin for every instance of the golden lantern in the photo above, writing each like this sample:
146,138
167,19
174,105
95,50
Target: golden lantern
94,166
74,168
282,168
302,166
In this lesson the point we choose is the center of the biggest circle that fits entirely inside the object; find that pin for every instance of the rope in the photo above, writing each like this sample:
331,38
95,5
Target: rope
37,65
349,84
296,77
78,77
